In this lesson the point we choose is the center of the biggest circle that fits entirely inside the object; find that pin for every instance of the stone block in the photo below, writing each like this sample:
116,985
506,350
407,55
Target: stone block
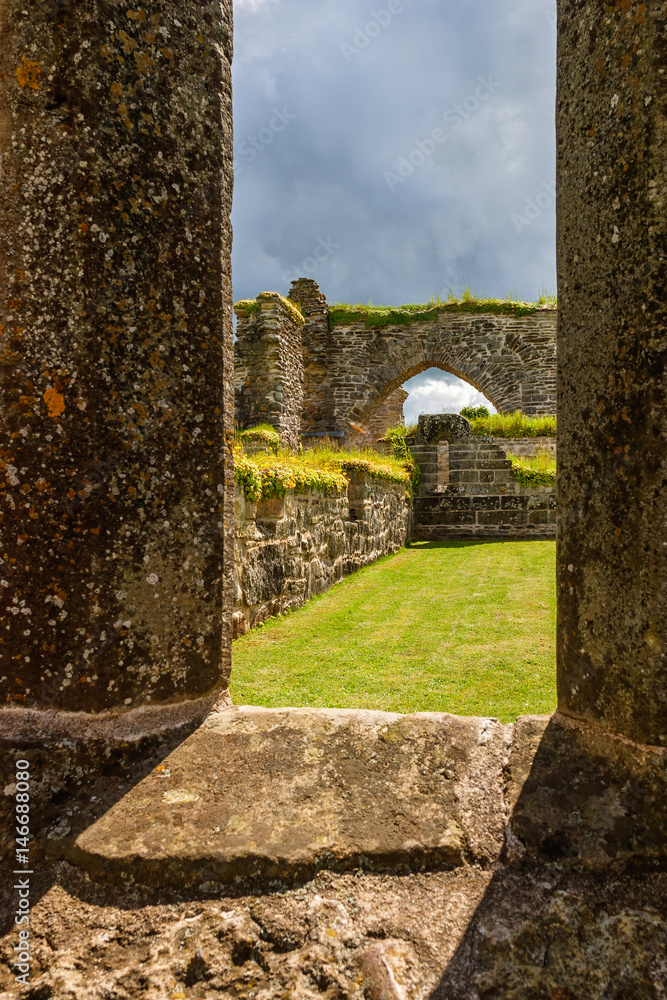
511,518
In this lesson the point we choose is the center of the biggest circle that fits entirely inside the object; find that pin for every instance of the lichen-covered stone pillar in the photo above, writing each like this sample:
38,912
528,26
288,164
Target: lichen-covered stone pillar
268,365
612,357
116,343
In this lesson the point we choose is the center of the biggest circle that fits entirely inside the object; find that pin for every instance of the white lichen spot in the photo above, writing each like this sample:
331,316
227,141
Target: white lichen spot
178,796
614,101
152,579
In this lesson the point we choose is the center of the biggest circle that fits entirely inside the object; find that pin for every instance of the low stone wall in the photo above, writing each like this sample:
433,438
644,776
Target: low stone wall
522,513
468,489
527,447
289,549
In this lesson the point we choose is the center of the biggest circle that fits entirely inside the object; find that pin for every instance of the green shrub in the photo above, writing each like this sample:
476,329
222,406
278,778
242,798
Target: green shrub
475,412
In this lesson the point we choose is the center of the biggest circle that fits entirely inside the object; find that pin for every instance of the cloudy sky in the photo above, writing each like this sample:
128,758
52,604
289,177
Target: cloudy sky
395,150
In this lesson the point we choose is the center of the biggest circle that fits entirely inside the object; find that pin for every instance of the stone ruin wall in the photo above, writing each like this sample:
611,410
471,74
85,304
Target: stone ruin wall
511,359
268,367
289,549
468,489
346,380
527,447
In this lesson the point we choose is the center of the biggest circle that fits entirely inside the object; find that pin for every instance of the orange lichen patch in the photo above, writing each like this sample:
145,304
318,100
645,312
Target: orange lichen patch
19,275
128,43
167,53
116,91
144,62
27,74
123,112
13,303
54,401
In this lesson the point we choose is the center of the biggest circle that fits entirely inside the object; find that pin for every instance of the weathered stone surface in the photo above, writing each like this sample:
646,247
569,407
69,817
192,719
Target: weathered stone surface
511,359
612,414
467,489
289,549
577,792
528,933
527,446
115,315
435,427
279,794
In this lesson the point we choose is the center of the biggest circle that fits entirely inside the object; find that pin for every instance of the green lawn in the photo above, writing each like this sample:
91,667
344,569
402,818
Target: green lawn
463,627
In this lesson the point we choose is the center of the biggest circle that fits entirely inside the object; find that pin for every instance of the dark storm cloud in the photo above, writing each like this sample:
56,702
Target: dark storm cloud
342,171
395,151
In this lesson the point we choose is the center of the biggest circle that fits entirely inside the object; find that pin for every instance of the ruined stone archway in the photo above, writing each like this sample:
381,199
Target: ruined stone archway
372,418
330,371
510,359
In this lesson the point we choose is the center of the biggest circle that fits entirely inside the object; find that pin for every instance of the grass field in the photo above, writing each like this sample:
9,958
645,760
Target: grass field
463,627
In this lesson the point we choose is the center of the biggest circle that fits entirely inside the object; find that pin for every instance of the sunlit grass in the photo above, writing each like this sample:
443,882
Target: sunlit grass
462,627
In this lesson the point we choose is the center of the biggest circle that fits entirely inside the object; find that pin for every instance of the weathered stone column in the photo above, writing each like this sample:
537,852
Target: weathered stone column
612,405
115,313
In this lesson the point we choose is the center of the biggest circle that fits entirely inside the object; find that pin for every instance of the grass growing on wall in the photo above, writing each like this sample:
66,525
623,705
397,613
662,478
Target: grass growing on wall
372,316
514,425
537,470
262,433
264,475
462,627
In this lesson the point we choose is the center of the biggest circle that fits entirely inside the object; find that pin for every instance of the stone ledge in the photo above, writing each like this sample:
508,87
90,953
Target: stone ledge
256,796
280,794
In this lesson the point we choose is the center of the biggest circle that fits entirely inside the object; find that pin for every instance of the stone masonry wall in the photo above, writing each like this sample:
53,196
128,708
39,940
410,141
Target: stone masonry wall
268,367
467,488
527,447
289,549
511,359
351,371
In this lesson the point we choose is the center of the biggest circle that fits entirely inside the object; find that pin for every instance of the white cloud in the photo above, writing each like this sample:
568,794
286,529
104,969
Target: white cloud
253,6
442,393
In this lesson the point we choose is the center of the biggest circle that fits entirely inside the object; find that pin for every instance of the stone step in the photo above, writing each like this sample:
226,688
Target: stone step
482,463
280,794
